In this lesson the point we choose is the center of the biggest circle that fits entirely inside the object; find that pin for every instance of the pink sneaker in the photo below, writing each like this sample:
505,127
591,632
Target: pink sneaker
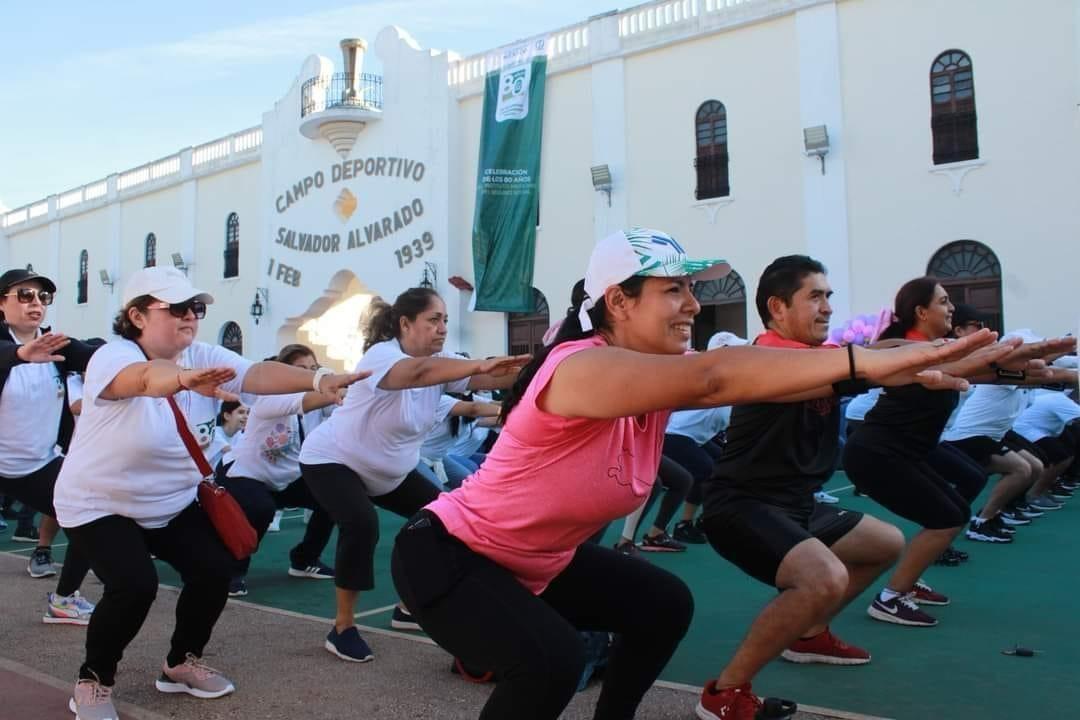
194,678
92,701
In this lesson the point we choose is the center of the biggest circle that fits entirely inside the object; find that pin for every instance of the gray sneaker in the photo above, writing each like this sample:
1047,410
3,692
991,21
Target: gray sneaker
92,701
41,564
1044,503
194,678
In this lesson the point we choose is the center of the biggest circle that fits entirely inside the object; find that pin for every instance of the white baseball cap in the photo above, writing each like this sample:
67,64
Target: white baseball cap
643,252
726,339
164,283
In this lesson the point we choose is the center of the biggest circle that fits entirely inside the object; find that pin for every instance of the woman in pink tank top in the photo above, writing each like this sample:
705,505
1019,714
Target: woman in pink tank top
499,573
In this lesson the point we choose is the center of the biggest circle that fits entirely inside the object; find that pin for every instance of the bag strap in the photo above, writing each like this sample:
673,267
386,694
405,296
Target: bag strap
189,440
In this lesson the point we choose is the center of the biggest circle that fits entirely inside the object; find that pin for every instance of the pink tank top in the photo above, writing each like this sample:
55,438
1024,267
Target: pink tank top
551,481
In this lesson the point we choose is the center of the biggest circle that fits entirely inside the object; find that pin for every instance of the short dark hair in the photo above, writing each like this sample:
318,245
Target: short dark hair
123,326
783,278
291,352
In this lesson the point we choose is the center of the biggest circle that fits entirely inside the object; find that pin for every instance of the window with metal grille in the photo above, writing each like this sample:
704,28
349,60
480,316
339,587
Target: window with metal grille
526,330
232,246
150,252
84,283
952,108
723,307
971,273
232,337
711,162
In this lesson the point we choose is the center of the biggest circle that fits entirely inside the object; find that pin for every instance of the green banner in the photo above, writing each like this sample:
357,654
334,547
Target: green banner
508,181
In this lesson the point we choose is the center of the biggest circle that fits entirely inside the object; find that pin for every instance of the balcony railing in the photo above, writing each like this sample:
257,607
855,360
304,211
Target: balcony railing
339,91
712,176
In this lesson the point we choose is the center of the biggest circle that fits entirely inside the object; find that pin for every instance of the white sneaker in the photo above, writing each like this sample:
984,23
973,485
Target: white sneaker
275,524
825,498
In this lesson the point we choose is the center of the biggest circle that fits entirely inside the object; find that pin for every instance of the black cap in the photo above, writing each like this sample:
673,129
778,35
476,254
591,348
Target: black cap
19,275
964,314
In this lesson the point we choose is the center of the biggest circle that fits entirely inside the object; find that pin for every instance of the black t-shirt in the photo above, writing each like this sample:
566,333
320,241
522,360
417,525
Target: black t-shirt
779,452
907,421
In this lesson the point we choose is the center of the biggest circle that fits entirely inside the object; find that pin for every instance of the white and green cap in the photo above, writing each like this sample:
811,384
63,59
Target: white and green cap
644,252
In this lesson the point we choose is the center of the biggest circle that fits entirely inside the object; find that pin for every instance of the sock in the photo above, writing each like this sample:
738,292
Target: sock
886,595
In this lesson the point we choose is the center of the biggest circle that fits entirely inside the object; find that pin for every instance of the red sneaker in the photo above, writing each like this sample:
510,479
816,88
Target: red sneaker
825,648
737,703
925,595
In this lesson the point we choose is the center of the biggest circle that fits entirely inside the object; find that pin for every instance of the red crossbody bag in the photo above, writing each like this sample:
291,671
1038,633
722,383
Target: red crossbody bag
225,513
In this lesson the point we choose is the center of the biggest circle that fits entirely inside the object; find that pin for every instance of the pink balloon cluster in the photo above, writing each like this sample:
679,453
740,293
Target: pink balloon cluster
860,330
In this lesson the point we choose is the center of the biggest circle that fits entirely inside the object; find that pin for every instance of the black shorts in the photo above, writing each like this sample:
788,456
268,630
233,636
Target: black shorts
756,536
911,488
1055,449
1017,442
980,448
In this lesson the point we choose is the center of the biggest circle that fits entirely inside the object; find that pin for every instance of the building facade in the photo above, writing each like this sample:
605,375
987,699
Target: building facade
887,139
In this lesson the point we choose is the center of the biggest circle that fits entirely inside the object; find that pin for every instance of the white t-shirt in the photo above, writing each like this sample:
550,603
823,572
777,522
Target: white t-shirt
377,433
439,442
75,388
126,457
469,443
861,404
700,426
1047,416
31,404
270,450
990,410
220,443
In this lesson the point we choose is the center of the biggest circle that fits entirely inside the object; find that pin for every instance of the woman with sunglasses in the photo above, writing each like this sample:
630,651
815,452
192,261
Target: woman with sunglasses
128,487
265,472
37,419
498,571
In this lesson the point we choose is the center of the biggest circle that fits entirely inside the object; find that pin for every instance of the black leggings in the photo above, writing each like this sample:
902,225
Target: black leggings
341,493
36,491
912,489
479,612
698,460
259,502
959,470
119,551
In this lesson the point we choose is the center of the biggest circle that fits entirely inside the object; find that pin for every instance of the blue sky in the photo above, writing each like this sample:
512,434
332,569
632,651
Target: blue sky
92,88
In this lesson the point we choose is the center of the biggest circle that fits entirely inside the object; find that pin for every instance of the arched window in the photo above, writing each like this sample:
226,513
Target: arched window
232,245
232,338
952,108
84,284
526,330
711,162
970,272
150,252
723,307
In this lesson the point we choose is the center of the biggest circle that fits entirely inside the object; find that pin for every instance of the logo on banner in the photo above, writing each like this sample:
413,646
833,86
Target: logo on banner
514,79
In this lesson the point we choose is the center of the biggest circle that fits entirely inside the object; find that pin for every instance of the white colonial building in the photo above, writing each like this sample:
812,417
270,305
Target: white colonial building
888,139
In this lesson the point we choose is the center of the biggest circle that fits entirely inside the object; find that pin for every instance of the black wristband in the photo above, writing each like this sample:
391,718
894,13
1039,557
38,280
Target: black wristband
851,362
1004,374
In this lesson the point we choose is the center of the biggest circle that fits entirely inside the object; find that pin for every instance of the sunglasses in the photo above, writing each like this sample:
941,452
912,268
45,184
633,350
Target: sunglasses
26,295
180,310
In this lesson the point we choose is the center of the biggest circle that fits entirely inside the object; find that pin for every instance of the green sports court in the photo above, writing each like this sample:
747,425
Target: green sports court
1004,595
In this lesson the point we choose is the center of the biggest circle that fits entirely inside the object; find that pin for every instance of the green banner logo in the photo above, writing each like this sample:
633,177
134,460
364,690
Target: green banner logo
508,181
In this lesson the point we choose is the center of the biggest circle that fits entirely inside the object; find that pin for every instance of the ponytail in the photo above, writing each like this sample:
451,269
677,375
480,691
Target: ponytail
382,321
569,331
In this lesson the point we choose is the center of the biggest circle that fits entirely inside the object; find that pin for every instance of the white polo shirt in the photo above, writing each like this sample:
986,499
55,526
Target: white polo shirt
1047,416
126,457
31,403
990,411
377,433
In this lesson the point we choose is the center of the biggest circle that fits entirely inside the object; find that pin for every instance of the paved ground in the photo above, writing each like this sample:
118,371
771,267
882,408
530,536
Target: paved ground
275,658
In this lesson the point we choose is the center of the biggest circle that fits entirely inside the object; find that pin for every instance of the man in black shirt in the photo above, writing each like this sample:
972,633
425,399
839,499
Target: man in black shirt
760,512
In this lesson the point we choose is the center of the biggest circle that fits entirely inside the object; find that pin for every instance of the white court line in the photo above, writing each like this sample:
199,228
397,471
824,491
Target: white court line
33,548
376,611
